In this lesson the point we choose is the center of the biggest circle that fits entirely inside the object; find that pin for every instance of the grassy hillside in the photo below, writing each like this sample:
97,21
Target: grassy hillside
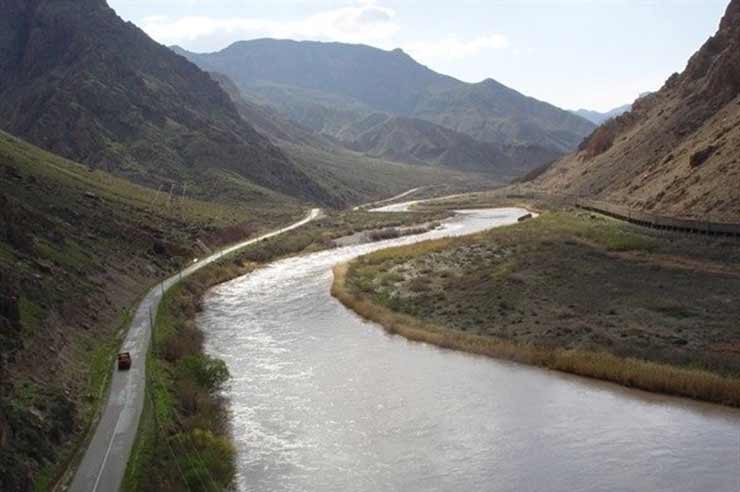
356,178
77,248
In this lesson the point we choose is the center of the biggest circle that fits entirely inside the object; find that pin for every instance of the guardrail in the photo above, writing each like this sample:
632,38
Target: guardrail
645,219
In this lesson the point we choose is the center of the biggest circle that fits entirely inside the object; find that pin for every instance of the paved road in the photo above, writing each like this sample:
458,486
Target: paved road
104,463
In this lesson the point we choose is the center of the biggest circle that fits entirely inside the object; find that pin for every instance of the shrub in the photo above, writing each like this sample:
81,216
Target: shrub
383,234
212,464
206,371
187,341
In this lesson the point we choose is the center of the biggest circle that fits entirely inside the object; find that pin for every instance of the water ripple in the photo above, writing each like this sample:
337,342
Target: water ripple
323,401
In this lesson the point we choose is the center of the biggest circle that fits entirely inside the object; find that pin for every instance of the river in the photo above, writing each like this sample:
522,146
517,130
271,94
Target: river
324,401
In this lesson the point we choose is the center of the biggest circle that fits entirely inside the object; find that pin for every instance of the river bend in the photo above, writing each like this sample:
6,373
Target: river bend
324,401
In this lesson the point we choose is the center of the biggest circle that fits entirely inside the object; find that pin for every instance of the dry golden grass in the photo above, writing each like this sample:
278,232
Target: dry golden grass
634,373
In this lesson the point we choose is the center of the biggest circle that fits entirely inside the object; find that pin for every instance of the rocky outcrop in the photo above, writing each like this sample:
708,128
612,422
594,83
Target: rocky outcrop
678,151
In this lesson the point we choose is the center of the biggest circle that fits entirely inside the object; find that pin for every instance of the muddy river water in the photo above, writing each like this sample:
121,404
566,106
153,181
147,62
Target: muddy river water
324,401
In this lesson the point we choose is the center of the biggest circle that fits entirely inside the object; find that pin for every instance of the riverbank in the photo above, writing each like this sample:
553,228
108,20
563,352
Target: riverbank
571,291
183,441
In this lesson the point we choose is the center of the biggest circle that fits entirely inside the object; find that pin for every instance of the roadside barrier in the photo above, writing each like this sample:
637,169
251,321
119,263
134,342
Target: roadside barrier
644,219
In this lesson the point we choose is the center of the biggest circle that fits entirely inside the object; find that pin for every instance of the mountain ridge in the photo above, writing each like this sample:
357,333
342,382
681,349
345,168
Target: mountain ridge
344,166
678,151
329,87
143,113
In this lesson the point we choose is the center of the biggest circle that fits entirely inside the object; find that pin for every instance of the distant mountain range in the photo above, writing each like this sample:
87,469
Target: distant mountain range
599,118
340,91
80,82
678,151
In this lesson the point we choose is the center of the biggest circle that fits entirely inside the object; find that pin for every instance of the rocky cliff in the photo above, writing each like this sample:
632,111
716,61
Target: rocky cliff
678,151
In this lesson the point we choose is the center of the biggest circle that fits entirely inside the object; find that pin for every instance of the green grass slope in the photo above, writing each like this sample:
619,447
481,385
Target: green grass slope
77,248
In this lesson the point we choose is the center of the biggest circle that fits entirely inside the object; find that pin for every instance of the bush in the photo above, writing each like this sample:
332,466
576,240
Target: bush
204,370
383,234
187,341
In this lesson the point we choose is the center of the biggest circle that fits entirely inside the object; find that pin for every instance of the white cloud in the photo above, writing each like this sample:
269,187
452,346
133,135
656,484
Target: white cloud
454,48
363,22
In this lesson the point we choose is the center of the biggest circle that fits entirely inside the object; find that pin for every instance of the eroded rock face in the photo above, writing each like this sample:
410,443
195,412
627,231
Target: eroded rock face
678,151
713,73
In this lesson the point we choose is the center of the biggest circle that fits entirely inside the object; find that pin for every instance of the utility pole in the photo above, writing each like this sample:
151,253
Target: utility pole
182,201
169,198
151,329
156,196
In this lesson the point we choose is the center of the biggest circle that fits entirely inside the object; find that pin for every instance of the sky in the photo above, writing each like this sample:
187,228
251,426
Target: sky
593,54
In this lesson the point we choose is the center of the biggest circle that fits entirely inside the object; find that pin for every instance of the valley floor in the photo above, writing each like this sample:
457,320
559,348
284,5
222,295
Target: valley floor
573,291
183,437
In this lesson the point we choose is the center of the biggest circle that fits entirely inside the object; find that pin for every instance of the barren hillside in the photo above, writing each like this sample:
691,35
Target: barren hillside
678,151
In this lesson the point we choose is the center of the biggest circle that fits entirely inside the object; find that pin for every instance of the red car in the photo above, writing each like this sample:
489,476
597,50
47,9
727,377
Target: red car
124,361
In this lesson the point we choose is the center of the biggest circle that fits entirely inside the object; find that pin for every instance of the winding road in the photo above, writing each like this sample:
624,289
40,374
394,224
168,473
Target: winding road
104,463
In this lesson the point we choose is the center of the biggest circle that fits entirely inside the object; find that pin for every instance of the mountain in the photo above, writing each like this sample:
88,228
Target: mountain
491,112
82,83
269,122
678,151
356,173
413,140
598,118
422,142
331,87
388,81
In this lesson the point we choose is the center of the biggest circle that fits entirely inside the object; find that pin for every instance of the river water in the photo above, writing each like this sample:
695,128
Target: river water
324,401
